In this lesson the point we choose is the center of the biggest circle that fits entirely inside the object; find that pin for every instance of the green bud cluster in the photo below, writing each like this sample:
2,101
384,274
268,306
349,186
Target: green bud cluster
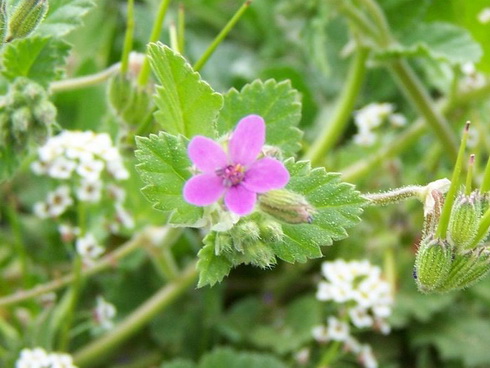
130,102
25,18
249,241
27,119
454,252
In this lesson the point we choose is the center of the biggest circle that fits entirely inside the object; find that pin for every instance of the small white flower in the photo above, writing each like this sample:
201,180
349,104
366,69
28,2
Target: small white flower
372,115
484,16
302,357
61,168
320,333
360,317
89,191
366,357
41,210
337,330
468,68
58,201
90,170
352,345
104,313
40,167
39,358
116,192
88,248
365,138
68,232
117,170
398,120
123,217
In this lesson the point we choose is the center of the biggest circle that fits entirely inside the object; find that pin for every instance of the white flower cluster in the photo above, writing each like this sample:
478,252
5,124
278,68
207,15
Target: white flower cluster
484,16
371,117
39,358
104,314
88,248
365,300
472,79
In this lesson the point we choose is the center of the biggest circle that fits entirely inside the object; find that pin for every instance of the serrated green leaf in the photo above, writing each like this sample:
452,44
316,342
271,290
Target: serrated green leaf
438,40
277,102
212,268
163,167
186,104
229,358
38,58
64,16
338,207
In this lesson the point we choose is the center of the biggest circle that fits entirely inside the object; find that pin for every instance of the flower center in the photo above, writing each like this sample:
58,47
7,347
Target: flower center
232,174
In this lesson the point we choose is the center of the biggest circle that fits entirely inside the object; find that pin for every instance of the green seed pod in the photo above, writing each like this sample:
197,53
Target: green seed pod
258,254
120,93
26,17
271,231
464,221
432,264
466,270
286,206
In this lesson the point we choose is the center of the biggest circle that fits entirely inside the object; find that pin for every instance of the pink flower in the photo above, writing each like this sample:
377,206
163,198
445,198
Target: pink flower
236,174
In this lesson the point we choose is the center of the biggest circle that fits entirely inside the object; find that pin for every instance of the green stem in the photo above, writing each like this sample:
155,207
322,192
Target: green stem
485,186
85,81
418,96
161,254
380,19
365,26
108,261
330,355
332,131
174,43
128,38
101,347
76,288
181,28
221,36
451,194
393,196
469,175
154,36
482,229
18,243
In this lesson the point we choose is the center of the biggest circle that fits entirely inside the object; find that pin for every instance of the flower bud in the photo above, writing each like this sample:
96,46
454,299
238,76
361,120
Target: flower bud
271,231
258,254
246,232
26,17
45,113
432,264
22,120
464,220
223,243
432,212
286,206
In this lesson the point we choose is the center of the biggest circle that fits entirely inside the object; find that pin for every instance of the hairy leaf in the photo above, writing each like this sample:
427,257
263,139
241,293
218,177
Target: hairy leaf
163,167
277,102
212,268
438,40
64,16
338,207
186,104
37,58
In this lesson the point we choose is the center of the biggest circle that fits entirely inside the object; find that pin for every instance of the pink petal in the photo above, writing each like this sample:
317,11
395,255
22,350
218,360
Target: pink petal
265,174
247,140
206,154
240,200
203,189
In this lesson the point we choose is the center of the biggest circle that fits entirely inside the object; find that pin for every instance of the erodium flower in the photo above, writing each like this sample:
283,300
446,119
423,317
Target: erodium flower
237,174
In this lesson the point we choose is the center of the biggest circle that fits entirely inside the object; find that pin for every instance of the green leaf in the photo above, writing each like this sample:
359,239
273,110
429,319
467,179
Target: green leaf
212,268
338,207
38,58
277,102
186,104
179,363
64,16
438,40
164,168
229,358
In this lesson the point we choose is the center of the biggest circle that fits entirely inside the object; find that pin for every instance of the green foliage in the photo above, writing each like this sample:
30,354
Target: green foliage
336,205
440,41
277,102
38,58
163,167
186,104
64,16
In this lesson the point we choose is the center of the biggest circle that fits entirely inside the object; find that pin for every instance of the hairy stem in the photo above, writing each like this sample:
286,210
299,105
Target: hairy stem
334,129
85,81
128,38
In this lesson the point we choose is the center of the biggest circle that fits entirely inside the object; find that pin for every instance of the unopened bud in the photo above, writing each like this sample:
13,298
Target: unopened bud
246,232
21,121
223,243
432,264
287,206
45,113
259,254
432,212
464,220
26,17
271,231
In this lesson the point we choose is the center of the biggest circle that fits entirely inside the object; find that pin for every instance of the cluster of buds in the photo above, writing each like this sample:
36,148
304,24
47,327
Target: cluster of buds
27,119
453,253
